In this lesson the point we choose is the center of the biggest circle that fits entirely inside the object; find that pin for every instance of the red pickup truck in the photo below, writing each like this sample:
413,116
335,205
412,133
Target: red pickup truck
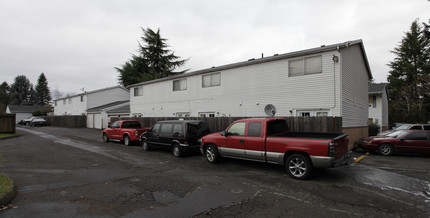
124,130
269,140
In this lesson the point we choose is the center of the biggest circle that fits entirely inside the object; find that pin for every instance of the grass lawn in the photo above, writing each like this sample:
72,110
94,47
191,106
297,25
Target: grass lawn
3,135
4,184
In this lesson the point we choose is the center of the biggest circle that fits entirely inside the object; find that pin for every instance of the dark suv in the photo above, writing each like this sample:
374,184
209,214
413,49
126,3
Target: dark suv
177,135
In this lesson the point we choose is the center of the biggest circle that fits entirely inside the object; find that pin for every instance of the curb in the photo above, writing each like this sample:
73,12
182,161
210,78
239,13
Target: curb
7,197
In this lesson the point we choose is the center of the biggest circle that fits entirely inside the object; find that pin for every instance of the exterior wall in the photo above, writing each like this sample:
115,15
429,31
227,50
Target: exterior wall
107,96
379,114
245,91
354,92
355,133
90,100
75,107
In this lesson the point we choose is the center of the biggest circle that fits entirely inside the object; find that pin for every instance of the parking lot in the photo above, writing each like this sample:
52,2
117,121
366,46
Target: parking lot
71,172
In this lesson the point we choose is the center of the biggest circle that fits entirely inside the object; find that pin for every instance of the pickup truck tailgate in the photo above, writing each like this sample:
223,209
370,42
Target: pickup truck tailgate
340,145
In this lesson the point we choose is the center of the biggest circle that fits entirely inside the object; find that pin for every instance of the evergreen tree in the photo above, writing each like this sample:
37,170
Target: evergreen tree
31,98
154,60
20,90
4,96
409,77
43,94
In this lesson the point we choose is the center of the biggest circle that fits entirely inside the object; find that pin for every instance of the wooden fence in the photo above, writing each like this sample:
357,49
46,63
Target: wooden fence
218,124
79,121
7,123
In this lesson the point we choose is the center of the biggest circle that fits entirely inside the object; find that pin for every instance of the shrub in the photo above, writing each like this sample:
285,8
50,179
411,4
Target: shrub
374,129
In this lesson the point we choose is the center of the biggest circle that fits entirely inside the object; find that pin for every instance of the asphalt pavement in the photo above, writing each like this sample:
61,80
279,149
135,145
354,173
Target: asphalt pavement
64,172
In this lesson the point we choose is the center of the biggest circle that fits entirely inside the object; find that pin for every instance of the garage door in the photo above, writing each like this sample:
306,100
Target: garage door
90,120
97,121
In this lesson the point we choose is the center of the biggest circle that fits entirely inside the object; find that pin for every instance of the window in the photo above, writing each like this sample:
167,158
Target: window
156,129
180,85
183,114
305,114
55,102
322,114
254,129
426,127
64,101
416,127
177,130
82,98
238,129
70,100
374,101
211,80
206,114
416,136
305,66
116,124
138,91
166,130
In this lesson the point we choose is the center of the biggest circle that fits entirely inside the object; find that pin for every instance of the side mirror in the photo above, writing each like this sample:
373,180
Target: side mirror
223,133
109,126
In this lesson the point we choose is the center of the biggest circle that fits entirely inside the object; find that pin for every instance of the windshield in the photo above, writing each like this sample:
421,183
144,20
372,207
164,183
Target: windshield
404,126
397,134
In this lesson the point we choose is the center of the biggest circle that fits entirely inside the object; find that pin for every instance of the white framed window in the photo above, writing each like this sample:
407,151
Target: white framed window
138,91
211,80
180,85
137,115
55,102
206,114
313,113
82,98
70,100
64,101
183,114
305,66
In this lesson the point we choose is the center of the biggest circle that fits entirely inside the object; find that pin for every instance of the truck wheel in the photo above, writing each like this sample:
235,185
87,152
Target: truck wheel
145,145
385,149
177,152
298,166
212,154
105,138
126,140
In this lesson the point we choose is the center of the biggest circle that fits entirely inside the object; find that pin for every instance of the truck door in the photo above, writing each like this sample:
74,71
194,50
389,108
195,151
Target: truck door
152,134
254,142
233,144
116,130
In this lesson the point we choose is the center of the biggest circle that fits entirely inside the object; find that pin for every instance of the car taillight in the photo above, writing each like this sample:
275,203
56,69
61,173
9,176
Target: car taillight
331,149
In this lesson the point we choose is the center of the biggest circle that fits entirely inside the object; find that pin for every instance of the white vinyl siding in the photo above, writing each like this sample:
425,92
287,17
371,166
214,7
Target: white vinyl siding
355,97
245,91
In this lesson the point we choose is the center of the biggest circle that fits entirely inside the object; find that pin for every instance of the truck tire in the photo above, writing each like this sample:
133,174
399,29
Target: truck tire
177,151
298,166
385,149
212,154
126,140
145,145
105,138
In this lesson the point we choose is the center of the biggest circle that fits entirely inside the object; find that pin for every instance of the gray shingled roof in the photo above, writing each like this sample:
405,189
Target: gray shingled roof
276,57
105,106
27,108
123,109
377,88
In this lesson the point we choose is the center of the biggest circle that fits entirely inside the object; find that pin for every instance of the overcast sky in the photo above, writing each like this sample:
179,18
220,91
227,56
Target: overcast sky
78,43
